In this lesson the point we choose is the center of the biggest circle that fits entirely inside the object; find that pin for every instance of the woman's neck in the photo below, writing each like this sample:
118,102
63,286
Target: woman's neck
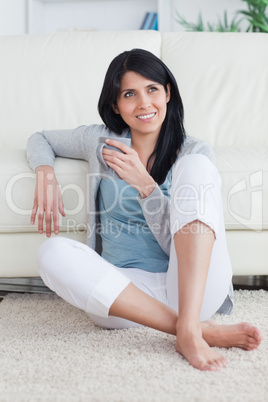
144,145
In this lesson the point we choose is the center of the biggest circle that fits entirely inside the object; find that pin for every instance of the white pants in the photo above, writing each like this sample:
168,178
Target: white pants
84,279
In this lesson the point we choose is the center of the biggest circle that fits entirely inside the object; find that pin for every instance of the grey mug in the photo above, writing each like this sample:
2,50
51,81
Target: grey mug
105,169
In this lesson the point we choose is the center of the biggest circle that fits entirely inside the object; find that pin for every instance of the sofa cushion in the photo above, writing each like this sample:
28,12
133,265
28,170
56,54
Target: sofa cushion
18,252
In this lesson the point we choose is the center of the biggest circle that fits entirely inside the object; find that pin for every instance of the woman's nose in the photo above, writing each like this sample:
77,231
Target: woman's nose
144,101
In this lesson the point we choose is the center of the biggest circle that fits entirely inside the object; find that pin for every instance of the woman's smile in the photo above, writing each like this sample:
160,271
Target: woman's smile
146,117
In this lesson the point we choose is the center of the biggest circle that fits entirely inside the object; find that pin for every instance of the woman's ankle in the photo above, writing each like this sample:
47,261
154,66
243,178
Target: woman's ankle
188,325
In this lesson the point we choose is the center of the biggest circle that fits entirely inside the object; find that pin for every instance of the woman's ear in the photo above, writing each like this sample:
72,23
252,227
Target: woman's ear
115,108
168,93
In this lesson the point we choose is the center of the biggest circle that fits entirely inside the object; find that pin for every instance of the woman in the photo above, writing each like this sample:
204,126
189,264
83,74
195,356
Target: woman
164,260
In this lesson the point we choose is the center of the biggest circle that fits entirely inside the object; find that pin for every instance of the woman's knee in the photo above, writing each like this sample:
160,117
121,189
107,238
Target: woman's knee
195,193
195,169
48,245
49,251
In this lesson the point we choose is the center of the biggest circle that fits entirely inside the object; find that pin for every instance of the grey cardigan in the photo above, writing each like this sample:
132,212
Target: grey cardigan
81,143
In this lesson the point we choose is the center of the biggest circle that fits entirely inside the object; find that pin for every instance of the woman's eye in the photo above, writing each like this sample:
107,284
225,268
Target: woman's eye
153,89
128,94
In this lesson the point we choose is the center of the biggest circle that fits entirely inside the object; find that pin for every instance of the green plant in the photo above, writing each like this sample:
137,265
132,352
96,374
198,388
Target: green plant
256,15
221,26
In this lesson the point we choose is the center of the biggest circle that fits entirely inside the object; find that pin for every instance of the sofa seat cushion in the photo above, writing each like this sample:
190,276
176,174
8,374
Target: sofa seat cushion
18,252
17,184
244,173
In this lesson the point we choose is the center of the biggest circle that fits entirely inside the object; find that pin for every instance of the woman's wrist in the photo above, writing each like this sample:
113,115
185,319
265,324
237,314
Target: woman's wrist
44,168
147,188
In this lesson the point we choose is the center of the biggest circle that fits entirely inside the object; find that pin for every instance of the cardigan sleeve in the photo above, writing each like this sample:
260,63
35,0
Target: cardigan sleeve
79,143
43,147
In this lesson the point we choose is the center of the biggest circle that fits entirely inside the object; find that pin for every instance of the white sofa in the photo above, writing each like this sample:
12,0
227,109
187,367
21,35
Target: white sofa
53,81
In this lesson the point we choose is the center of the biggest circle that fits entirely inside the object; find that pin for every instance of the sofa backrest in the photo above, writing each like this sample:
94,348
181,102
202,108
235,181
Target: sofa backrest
53,81
223,79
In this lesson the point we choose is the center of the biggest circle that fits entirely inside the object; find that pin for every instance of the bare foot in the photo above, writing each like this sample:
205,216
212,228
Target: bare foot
243,335
195,349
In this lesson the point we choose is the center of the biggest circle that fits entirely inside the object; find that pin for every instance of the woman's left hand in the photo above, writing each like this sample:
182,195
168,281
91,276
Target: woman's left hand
129,167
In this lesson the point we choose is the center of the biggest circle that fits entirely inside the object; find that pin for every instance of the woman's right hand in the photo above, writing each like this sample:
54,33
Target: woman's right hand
47,200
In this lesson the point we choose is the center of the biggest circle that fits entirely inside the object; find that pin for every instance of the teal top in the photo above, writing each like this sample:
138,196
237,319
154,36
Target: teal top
127,241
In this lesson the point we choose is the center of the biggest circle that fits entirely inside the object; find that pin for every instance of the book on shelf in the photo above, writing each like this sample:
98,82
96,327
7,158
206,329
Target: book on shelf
150,21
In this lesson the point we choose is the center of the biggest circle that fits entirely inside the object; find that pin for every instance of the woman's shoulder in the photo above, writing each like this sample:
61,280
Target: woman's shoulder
193,145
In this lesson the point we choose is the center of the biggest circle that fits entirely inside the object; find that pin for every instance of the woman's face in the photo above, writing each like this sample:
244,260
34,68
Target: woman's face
142,104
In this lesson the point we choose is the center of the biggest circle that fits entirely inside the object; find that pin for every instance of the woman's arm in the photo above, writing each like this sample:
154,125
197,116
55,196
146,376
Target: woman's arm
42,148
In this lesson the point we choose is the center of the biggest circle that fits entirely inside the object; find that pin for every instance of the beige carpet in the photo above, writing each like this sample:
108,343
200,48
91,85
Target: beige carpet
50,351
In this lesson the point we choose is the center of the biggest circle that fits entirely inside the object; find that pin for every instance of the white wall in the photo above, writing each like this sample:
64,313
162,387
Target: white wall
12,17
103,14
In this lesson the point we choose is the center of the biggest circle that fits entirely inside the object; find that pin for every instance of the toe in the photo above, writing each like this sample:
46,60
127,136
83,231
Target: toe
221,363
208,366
257,335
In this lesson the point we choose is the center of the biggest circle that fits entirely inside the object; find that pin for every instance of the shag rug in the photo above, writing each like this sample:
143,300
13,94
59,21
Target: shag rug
50,351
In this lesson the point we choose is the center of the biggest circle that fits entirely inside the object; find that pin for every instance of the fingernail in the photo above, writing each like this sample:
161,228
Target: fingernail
40,231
